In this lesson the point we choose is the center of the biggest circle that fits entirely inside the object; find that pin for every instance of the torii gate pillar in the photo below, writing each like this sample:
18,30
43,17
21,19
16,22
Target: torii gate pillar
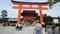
19,14
41,16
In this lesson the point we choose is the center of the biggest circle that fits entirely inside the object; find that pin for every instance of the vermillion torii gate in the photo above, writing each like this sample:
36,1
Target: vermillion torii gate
20,7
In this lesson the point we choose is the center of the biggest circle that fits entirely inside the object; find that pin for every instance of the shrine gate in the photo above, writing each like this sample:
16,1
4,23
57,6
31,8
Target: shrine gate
20,7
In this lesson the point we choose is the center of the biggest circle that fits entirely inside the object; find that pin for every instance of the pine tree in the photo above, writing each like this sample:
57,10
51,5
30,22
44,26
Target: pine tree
4,17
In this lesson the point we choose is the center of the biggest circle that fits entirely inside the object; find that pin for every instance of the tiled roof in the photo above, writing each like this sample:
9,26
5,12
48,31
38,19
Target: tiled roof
15,2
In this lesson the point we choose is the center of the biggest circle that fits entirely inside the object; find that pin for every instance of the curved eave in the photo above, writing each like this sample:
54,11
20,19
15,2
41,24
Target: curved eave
18,2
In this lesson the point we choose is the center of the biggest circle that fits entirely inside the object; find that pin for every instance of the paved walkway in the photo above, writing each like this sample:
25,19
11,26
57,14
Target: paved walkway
26,30
11,30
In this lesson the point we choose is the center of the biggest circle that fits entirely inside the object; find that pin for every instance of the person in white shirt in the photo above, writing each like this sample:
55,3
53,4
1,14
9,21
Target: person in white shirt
38,29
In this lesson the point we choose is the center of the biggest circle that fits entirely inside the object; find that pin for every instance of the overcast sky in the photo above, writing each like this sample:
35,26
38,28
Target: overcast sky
12,13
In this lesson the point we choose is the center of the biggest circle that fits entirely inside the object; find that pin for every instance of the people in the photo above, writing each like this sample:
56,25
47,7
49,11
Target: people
59,29
19,26
16,26
53,29
38,29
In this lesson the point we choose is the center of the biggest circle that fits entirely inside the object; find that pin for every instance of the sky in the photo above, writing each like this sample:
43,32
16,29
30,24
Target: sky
12,13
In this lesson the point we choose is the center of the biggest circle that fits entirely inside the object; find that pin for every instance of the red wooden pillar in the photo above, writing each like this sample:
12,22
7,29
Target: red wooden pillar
19,14
41,16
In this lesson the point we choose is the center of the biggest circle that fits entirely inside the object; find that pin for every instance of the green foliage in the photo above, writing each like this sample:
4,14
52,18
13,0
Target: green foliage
4,16
52,2
48,20
4,13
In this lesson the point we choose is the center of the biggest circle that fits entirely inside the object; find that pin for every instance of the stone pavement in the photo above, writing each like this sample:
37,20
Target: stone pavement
12,30
26,30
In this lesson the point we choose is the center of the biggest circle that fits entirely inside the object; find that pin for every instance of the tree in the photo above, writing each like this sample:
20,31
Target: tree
47,20
52,2
4,17
4,13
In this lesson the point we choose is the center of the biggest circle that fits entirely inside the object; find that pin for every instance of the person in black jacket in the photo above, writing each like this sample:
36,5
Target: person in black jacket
53,29
59,30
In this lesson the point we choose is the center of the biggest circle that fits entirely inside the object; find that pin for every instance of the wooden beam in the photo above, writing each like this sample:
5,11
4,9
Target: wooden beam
15,7
44,4
45,8
29,8
30,5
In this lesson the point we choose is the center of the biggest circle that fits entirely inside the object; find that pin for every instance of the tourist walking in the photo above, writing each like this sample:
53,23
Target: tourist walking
38,29
53,29
59,30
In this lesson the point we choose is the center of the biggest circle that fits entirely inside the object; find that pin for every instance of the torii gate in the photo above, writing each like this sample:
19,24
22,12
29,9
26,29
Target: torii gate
20,7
